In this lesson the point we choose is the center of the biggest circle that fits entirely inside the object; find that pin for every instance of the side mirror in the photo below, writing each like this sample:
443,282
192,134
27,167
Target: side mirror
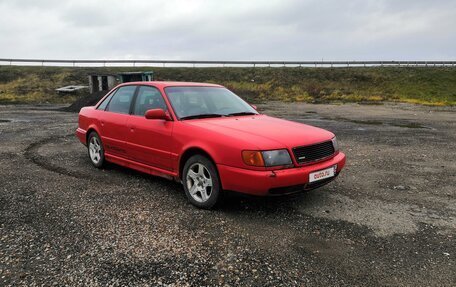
255,107
157,114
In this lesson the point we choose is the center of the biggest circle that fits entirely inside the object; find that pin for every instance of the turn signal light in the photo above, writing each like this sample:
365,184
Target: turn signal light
253,158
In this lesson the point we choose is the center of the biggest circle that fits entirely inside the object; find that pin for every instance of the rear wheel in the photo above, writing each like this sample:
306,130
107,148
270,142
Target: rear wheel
201,182
95,150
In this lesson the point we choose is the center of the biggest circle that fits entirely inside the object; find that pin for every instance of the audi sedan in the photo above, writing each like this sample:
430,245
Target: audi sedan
207,138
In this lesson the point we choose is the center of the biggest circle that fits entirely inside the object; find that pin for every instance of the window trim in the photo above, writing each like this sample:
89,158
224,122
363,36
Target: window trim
111,93
168,107
132,99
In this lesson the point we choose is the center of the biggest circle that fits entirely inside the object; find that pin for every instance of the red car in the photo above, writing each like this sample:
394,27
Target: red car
208,138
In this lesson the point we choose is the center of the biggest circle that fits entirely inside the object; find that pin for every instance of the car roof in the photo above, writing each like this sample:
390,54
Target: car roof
164,84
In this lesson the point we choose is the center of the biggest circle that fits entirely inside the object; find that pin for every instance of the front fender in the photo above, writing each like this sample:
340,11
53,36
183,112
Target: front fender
206,149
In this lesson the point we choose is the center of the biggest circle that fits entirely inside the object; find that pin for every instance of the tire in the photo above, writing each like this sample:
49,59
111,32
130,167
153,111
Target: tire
95,150
201,182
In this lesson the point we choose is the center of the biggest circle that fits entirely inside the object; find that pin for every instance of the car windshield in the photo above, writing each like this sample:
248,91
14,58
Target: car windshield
206,102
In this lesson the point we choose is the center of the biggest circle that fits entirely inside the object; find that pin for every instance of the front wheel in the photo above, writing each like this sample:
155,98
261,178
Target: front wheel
95,150
201,182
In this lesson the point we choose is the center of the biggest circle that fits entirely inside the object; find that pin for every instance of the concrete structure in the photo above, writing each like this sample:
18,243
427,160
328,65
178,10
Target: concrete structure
71,89
105,82
136,77
102,82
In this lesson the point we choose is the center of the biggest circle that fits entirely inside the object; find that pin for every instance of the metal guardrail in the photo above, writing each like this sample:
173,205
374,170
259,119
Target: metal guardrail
57,62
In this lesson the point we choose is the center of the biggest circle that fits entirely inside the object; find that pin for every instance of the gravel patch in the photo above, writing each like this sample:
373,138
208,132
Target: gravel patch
388,219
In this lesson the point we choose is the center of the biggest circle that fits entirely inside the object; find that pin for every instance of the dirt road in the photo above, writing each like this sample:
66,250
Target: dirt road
389,219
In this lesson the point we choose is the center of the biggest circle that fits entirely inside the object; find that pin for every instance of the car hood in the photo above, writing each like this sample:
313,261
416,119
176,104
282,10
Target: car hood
264,131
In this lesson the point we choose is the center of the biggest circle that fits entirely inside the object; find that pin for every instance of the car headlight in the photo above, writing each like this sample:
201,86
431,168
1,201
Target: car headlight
276,157
335,144
267,158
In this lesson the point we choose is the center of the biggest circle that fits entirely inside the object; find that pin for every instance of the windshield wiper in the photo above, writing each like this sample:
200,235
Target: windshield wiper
202,116
242,114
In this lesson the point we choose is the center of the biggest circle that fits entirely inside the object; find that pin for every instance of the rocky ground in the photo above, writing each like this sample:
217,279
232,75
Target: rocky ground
389,219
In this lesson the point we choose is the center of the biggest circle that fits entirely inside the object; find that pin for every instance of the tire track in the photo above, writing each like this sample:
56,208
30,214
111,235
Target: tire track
31,154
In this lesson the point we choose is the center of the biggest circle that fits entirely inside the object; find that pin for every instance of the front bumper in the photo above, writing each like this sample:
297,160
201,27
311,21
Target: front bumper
276,182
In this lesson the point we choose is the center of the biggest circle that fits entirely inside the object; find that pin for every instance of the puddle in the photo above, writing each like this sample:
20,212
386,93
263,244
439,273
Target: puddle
367,122
410,125
311,116
371,103
4,121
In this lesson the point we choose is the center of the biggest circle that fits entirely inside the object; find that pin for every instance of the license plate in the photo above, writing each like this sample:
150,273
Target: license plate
322,174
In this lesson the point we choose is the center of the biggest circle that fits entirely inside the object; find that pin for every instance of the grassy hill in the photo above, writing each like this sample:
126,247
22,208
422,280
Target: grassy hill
430,86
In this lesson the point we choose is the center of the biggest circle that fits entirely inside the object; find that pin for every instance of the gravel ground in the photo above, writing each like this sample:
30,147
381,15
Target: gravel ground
389,219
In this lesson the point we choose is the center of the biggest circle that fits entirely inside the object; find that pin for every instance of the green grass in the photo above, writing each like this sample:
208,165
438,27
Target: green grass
420,85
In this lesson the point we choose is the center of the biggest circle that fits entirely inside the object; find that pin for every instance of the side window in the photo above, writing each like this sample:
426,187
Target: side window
148,98
103,104
121,100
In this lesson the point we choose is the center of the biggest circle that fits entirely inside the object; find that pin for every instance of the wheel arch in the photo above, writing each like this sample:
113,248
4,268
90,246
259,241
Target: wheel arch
188,153
89,131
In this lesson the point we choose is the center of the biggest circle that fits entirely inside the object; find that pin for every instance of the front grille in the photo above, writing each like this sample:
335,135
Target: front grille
305,154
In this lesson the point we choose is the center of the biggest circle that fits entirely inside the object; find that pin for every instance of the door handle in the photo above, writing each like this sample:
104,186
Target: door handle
102,123
132,128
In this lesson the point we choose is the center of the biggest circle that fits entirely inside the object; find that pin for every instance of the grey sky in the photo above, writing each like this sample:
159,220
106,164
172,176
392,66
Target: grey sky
229,30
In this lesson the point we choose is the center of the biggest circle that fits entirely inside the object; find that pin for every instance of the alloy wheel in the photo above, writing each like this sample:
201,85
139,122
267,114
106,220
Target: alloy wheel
95,150
199,182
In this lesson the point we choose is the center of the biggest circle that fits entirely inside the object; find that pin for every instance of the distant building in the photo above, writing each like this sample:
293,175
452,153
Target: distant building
135,77
105,82
102,82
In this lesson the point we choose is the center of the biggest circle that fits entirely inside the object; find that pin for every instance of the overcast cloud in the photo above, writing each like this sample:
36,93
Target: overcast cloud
229,30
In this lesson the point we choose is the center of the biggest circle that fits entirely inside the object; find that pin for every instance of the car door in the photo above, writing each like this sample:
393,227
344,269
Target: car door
113,121
150,140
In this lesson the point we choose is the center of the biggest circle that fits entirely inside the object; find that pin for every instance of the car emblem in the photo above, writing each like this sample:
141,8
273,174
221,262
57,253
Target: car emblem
301,157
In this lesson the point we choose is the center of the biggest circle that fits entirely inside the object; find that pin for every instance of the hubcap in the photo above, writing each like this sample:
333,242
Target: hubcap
199,182
95,150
